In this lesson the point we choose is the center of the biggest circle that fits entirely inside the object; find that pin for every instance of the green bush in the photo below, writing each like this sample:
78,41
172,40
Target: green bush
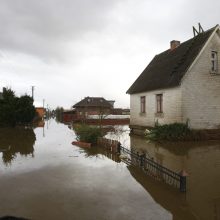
16,110
175,131
87,133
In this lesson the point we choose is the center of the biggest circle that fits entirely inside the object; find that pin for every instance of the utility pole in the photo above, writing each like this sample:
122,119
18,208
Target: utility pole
32,90
43,102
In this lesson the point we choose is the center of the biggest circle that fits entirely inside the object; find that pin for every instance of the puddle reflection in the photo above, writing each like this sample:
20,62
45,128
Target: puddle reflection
14,141
99,152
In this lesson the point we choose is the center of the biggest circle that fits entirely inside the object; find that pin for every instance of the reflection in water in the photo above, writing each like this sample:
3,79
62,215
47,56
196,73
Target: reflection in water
120,133
41,124
99,152
168,197
72,184
14,141
201,160
63,183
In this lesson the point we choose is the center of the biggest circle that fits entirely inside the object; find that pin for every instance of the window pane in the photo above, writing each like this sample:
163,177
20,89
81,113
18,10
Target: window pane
214,61
142,104
159,102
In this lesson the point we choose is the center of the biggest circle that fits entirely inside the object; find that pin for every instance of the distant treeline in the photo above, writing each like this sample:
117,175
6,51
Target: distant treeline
59,113
16,110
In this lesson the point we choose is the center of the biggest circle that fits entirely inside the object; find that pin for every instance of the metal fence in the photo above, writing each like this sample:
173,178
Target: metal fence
148,165
152,168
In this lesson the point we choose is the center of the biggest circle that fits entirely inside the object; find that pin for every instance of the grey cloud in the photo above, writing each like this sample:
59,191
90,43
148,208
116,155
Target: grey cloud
105,43
44,28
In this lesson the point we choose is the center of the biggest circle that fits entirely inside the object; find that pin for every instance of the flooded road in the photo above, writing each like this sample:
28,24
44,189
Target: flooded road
43,176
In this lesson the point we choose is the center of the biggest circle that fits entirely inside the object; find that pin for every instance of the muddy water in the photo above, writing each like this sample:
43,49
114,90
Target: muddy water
43,176
201,160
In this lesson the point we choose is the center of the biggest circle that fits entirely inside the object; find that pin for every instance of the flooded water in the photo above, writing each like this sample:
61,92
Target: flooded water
43,176
201,160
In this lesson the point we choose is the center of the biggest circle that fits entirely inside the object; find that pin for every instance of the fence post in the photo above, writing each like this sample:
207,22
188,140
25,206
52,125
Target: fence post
182,183
119,148
183,176
142,160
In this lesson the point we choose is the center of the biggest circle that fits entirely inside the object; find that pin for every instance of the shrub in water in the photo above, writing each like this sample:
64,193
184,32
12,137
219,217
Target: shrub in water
87,133
175,131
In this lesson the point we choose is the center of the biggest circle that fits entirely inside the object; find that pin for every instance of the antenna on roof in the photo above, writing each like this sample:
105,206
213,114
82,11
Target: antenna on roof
200,28
196,32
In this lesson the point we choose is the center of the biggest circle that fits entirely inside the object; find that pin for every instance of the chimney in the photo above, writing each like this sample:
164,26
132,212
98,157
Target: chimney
174,44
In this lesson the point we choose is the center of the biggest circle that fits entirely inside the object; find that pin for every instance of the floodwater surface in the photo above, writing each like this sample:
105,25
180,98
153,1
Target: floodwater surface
201,161
44,176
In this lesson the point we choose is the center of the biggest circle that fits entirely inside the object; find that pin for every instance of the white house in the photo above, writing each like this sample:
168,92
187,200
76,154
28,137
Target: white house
180,84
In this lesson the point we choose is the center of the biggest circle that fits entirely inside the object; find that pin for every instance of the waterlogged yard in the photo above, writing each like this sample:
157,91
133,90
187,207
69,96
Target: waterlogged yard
43,176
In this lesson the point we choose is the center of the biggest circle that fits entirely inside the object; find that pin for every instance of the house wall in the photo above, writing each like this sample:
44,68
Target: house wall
201,91
171,107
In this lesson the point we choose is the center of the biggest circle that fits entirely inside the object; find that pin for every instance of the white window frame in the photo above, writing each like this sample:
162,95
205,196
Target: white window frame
143,104
159,103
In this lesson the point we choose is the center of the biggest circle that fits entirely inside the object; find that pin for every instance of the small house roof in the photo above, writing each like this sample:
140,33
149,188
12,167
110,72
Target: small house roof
167,68
93,102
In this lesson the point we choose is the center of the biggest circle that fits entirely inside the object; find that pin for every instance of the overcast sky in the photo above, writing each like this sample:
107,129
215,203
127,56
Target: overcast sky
69,49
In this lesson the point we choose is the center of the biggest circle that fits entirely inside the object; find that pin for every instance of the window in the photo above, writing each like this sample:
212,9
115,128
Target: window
142,104
159,103
214,61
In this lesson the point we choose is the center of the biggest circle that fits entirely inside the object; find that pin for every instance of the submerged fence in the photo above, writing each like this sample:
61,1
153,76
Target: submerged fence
148,165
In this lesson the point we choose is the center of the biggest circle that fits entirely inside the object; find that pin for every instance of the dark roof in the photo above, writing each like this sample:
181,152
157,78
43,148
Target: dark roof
93,102
167,68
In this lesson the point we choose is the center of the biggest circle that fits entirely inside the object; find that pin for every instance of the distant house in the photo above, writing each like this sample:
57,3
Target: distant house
180,84
93,106
69,115
40,111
